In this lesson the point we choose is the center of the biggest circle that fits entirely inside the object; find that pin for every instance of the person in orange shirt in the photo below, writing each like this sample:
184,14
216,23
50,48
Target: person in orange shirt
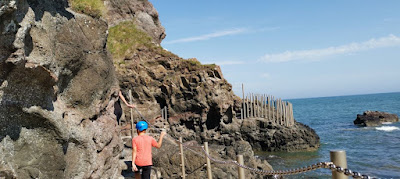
141,151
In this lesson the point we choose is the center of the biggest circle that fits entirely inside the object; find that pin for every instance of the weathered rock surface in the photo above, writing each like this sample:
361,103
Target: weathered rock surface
267,136
375,118
57,91
141,12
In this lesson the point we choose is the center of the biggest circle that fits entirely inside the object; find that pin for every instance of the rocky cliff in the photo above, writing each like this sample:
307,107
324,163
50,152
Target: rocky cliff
57,93
62,64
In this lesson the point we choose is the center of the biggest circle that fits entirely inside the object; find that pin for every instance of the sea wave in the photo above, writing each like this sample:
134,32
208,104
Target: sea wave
387,122
387,128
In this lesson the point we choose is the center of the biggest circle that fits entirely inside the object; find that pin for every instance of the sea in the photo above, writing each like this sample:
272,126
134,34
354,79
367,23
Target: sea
373,151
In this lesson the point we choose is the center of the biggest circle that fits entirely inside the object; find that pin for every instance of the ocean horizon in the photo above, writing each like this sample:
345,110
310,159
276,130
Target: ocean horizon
371,151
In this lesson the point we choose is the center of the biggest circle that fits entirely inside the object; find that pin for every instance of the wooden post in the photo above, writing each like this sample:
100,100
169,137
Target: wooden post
209,174
291,106
240,169
255,105
242,115
182,158
263,106
247,108
338,157
269,107
272,103
252,105
258,105
131,101
291,114
257,102
280,110
277,110
286,116
284,112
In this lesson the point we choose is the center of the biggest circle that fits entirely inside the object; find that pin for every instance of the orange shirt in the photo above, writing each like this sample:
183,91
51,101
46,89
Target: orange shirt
143,145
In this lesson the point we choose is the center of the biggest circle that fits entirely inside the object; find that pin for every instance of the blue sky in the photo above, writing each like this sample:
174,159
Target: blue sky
290,49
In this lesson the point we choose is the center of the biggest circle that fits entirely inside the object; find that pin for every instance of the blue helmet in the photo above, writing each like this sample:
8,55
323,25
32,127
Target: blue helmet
142,125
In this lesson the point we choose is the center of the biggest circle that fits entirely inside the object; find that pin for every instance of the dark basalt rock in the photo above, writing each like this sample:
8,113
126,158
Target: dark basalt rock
375,118
267,136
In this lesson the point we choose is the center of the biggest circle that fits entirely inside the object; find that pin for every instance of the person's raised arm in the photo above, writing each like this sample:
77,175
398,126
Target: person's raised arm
159,144
124,100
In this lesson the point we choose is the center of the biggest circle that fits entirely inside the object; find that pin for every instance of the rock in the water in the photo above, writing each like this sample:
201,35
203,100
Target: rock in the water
267,136
375,118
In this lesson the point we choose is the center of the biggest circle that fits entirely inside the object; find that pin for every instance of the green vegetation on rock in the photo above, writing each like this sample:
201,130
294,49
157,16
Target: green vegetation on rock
125,38
94,8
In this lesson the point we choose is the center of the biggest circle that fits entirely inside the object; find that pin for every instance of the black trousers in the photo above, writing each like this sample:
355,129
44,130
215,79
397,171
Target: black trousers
145,170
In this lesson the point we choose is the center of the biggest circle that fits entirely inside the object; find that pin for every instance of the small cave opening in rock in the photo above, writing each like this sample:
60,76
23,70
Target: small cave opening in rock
190,125
161,101
229,114
213,119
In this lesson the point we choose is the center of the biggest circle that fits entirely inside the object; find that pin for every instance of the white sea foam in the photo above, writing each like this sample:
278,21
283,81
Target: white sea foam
387,122
387,128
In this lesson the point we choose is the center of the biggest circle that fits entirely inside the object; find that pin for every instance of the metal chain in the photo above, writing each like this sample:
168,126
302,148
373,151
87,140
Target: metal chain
325,165
347,172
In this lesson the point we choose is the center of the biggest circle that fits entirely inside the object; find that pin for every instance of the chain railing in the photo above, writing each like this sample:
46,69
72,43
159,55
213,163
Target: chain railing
320,165
325,165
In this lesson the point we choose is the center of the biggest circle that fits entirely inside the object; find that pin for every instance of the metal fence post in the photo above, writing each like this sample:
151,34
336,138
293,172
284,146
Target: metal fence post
240,169
182,158
166,112
209,174
338,157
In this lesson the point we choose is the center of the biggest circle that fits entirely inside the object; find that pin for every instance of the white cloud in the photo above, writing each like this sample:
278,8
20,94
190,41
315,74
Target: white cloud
313,54
221,63
208,36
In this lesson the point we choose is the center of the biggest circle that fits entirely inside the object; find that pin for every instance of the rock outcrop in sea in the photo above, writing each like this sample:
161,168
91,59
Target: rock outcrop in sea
375,118
61,67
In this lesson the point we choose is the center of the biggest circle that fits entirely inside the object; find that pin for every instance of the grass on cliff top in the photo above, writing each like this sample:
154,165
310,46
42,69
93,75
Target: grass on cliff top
192,64
94,8
125,38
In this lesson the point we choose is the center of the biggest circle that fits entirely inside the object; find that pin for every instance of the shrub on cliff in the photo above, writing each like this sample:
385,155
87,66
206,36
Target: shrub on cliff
94,8
125,38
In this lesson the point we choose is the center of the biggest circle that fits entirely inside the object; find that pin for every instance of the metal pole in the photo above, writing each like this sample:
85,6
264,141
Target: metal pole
240,169
162,113
338,157
131,101
209,174
166,112
182,158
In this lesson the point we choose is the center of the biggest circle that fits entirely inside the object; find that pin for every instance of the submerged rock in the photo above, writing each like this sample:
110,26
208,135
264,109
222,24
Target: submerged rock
375,118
